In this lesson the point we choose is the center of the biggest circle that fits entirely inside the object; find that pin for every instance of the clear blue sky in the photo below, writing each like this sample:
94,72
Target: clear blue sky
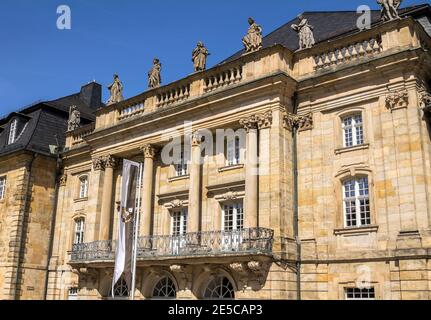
38,61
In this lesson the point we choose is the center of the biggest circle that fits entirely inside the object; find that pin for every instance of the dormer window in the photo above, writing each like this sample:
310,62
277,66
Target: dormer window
13,131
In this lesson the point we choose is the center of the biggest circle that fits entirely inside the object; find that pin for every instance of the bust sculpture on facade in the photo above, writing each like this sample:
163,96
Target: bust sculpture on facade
253,40
389,9
74,118
305,33
116,91
154,75
199,57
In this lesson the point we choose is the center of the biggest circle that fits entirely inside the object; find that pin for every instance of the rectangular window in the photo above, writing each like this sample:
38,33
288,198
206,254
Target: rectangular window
181,168
353,131
179,223
79,231
73,294
2,187
233,217
356,203
83,187
13,131
360,294
233,152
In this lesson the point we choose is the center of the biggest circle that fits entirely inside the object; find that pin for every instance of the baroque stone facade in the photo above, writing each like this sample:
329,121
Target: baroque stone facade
328,196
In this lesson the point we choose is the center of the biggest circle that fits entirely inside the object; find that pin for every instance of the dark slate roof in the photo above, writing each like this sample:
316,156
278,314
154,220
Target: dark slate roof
327,26
40,124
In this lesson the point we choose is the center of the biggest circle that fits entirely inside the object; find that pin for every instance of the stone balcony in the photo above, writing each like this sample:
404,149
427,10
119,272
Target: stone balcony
215,244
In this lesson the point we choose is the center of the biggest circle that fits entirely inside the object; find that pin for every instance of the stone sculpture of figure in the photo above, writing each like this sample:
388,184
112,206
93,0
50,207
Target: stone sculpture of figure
389,9
74,118
199,57
154,77
116,90
305,33
253,40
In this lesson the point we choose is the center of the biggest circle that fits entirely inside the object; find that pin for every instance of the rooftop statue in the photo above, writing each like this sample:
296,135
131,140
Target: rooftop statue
305,33
74,119
199,57
390,9
253,40
154,77
116,90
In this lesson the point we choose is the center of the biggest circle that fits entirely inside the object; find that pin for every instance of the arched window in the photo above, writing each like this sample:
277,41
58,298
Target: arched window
165,289
120,289
220,288
83,187
79,231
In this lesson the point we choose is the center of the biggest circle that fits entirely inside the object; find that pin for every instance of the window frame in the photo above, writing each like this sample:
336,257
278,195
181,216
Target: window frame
13,130
3,187
182,214
181,169
81,194
356,128
79,234
233,151
238,216
357,198
361,292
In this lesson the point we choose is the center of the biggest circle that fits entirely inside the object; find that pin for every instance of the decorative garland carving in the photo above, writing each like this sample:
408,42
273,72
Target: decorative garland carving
397,100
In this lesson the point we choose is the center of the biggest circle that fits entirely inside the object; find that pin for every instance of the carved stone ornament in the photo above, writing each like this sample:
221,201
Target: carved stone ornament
257,121
154,75
63,180
425,103
98,164
149,151
238,267
305,33
196,139
255,266
177,203
116,91
302,123
397,100
110,162
231,195
177,268
253,40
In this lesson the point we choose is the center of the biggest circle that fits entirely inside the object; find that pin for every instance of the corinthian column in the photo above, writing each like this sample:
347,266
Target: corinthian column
147,190
251,172
105,217
193,223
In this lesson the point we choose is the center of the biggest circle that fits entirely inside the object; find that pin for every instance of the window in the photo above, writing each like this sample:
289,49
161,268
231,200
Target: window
179,223
165,289
181,168
13,131
353,131
233,217
360,294
356,202
220,288
2,187
79,231
120,289
233,151
73,293
83,187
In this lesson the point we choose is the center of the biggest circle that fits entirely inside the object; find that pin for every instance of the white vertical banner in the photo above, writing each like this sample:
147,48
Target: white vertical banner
128,225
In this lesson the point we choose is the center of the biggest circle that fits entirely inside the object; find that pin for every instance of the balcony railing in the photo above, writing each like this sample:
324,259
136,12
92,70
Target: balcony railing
245,241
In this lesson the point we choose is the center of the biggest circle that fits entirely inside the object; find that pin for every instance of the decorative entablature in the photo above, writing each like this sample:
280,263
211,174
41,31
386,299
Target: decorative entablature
397,100
227,192
299,122
175,200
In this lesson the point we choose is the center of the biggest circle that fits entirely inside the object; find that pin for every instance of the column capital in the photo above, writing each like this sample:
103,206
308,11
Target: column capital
250,122
264,120
196,139
110,162
297,121
149,151
98,164
63,180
